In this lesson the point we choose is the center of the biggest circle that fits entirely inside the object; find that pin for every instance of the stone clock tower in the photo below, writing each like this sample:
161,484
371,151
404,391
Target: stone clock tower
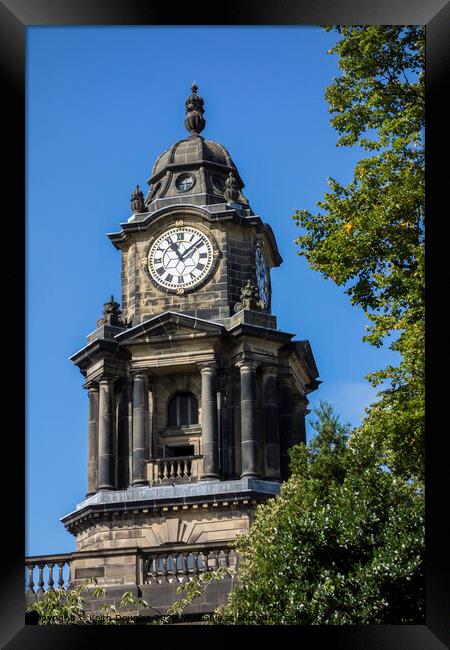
195,395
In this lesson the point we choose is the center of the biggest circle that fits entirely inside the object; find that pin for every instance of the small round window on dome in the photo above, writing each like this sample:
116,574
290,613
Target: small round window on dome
185,182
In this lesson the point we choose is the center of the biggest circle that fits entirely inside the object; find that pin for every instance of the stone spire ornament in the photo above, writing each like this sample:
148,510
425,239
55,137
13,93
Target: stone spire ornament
112,314
231,192
137,200
194,121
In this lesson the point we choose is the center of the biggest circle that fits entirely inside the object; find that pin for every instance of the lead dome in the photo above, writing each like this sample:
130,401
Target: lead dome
194,170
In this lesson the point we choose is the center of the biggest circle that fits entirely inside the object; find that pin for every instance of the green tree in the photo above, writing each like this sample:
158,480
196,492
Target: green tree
369,235
342,544
68,607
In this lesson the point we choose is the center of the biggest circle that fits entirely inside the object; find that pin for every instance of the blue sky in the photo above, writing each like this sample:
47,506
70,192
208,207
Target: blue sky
102,103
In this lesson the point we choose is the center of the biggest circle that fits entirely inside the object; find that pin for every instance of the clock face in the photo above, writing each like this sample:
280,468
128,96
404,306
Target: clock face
180,258
261,276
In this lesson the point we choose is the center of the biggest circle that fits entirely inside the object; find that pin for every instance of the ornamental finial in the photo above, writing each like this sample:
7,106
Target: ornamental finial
137,200
194,122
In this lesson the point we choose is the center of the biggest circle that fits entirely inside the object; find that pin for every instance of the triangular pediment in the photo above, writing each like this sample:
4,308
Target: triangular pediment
169,324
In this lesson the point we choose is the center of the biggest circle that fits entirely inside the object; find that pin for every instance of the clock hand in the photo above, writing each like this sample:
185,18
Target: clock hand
199,241
175,248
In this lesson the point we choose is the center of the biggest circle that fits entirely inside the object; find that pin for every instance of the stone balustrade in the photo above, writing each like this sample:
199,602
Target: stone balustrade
159,565
176,469
45,573
181,562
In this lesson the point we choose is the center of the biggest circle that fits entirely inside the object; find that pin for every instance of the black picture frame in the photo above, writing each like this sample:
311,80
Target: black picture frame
15,17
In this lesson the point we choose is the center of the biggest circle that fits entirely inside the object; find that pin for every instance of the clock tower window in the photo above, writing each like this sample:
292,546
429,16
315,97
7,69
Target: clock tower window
183,410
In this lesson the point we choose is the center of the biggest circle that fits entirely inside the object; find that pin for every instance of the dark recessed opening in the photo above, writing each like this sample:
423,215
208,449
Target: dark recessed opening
182,450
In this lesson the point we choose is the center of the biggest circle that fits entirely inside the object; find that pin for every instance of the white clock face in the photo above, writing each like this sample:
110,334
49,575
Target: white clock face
180,258
261,276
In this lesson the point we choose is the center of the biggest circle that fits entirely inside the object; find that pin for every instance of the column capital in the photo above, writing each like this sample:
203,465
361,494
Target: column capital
269,369
91,387
105,381
135,373
246,365
207,366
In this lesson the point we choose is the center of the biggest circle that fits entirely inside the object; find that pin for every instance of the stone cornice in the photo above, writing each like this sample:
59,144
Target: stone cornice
184,210
161,499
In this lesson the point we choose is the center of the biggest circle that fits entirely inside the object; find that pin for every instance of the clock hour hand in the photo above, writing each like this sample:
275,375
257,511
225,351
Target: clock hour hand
175,248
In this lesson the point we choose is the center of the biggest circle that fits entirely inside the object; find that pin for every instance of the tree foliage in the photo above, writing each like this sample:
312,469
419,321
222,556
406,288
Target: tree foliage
68,607
369,234
342,544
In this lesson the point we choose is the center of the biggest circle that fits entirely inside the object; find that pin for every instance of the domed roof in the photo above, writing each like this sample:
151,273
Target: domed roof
194,170
194,149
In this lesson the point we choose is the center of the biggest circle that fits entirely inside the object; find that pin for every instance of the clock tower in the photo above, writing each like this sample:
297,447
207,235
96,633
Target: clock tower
194,394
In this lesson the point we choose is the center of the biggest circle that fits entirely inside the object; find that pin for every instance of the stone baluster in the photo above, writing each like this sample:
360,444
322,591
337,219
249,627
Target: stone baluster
92,440
184,564
271,424
195,569
249,447
60,566
140,425
50,581
30,585
41,578
210,437
164,572
105,435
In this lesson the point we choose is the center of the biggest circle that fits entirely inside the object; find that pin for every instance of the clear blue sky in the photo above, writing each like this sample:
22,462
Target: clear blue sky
102,103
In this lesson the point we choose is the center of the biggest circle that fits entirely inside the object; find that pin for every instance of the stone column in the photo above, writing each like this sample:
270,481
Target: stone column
140,427
298,419
210,437
105,435
285,406
228,426
248,420
271,424
123,441
92,440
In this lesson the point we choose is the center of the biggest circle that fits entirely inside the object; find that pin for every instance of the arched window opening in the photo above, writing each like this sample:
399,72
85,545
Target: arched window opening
183,410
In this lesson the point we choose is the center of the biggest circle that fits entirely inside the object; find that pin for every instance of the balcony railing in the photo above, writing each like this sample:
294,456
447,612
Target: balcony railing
160,565
179,469
181,562
41,572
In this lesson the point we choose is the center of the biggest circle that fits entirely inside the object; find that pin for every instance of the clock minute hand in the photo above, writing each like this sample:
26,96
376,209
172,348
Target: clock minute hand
175,248
199,241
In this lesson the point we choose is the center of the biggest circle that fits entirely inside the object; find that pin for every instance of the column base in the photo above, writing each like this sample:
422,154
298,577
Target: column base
250,475
209,477
139,483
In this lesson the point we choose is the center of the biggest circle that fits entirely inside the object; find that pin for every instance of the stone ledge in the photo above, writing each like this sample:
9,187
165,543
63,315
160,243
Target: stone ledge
200,489
244,492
